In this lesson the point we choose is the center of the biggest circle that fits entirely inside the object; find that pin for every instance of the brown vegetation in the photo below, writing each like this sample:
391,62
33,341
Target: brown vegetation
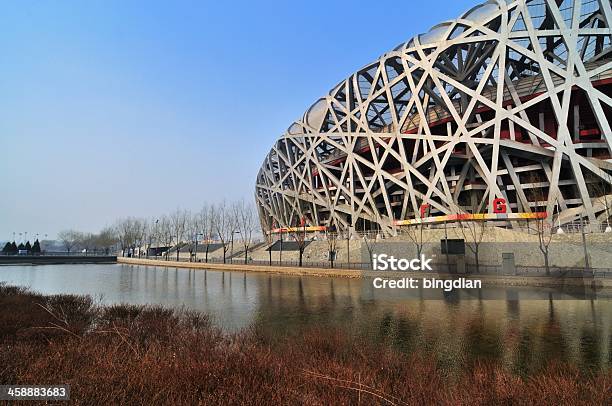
151,355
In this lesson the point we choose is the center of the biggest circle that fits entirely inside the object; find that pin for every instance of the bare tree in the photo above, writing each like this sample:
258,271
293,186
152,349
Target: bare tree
140,237
224,226
106,239
69,239
124,234
178,223
244,214
332,239
298,233
153,234
542,224
473,232
267,224
207,225
370,239
165,234
193,231
600,187
416,234
85,241
130,234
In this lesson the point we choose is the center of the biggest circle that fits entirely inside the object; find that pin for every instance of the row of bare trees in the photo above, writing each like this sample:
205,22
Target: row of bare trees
103,242
212,224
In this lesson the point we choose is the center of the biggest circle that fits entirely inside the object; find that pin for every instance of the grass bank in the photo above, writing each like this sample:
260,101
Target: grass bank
151,355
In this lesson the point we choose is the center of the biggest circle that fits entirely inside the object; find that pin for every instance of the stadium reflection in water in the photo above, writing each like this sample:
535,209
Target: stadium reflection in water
520,334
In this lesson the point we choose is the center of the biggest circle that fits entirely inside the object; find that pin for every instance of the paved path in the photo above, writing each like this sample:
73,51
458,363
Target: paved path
487,280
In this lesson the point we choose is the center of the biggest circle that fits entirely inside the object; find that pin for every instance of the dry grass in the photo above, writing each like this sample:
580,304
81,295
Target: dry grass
151,355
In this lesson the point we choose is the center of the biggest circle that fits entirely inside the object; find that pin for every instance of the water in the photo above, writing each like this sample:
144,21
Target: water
522,334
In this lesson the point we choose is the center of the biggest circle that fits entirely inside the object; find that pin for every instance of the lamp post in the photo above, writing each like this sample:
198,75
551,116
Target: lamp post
196,245
270,254
446,247
584,245
280,255
246,253
154,234
348,248
302,240
559,229
608,228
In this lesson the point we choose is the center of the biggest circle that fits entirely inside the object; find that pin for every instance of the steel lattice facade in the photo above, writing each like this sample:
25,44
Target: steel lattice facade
511,101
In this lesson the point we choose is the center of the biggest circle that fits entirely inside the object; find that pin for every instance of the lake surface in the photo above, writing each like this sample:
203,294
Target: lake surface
523,331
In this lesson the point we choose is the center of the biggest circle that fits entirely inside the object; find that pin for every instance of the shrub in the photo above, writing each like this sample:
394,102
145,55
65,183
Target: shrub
125,354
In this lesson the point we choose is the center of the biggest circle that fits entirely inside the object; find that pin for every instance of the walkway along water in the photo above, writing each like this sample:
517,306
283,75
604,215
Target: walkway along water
487,280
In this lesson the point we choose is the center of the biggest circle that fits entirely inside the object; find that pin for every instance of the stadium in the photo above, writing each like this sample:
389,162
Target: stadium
500,115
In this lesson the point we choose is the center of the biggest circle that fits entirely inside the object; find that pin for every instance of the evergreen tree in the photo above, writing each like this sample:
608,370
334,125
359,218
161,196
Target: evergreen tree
7,248
36,247
13,248
20,247
28,247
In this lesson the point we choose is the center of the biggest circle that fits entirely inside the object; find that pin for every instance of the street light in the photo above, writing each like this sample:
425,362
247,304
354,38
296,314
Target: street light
196,245
154,234
280,255
559,229
246,253
348,248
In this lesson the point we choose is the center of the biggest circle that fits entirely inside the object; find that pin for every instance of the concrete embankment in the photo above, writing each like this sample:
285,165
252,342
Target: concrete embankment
56,259
487,280
341,273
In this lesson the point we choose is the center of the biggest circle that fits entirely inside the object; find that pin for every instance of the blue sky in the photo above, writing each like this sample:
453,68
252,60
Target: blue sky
117,108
